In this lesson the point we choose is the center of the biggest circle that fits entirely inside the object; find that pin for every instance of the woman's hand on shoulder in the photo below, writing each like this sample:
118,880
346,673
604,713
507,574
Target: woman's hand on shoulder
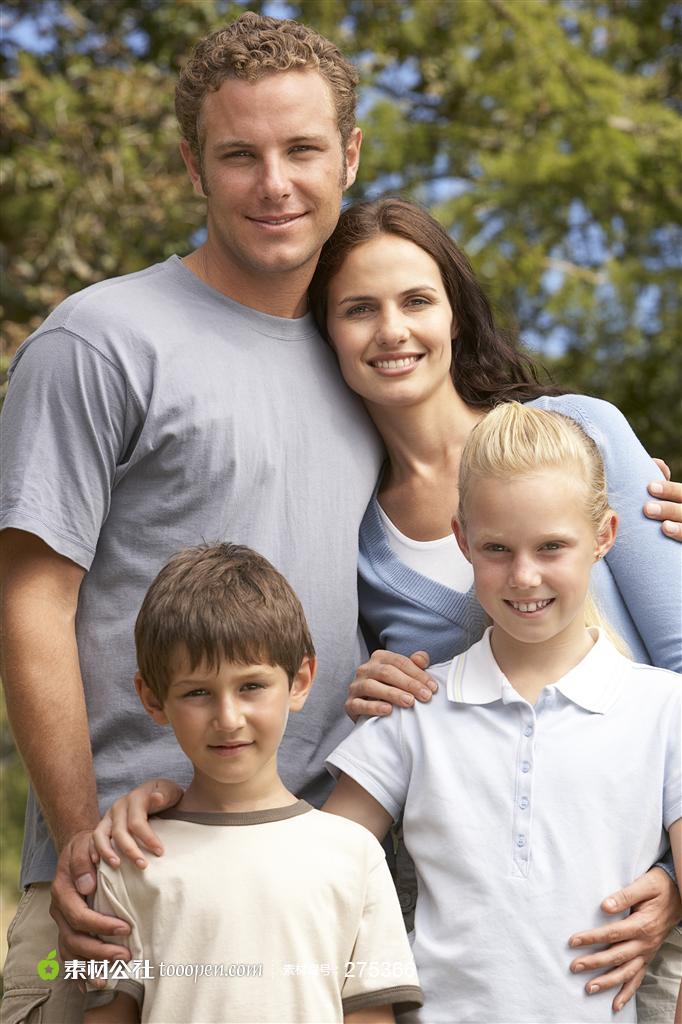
126,822
667,508
389,679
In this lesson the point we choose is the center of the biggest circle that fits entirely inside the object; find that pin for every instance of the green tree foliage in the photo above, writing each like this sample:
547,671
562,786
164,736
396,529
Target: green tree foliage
545,134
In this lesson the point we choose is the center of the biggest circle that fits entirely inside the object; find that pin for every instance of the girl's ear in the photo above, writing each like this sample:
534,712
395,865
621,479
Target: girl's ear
150,701
606,537
461,536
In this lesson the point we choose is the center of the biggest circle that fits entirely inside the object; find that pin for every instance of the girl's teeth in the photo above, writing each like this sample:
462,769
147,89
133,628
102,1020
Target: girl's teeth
529,606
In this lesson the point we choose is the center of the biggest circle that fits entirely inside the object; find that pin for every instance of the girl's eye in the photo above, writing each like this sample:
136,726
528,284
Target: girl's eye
494,547
552,545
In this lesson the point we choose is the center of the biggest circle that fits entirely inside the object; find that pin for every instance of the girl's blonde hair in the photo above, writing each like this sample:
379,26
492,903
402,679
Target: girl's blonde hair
515,439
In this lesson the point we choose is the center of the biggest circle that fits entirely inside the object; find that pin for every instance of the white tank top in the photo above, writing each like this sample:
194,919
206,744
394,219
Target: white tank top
440,560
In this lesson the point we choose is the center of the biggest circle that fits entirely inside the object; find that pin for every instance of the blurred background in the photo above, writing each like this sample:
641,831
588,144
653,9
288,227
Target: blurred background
545,134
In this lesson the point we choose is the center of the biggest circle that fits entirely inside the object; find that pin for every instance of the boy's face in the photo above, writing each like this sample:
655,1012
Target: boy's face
230,723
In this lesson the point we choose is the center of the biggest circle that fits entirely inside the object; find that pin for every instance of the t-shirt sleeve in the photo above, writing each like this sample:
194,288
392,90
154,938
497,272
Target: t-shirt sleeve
646,566
374,755
66,426
111,898
381,970
672,785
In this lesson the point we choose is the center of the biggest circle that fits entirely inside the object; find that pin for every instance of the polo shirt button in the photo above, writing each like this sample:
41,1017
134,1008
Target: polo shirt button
528,731
525,767
521,841
523,803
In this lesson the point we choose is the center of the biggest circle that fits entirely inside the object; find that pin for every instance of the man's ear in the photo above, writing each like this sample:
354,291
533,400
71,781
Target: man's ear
461,538
352,150
193,168
150,701
606,537
302,681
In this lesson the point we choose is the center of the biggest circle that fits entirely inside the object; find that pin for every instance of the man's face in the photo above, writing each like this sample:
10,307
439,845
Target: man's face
273,170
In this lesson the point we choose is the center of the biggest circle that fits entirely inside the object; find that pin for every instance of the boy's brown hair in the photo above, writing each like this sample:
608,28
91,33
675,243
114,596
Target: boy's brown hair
253,46
221,602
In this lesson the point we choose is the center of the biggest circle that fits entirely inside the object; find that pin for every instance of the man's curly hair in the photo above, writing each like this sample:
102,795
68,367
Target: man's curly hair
253,46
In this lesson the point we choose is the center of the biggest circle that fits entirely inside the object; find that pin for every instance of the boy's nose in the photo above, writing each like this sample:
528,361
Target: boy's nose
228,716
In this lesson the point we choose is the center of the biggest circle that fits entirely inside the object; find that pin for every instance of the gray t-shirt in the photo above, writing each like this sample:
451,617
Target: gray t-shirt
149,413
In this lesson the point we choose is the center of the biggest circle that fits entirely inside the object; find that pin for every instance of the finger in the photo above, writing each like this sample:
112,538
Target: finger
75,945
673,530
101,840
383,661
80,865
92,850
388,683
614,956
357,707
628,990
615,978
68,906
653,883
130,825
421,659
664,510
664,468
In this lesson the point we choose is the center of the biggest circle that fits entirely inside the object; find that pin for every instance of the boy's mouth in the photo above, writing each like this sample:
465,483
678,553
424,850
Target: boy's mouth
530,607
228,749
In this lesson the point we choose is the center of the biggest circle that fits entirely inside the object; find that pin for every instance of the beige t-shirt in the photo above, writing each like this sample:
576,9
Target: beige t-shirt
281,915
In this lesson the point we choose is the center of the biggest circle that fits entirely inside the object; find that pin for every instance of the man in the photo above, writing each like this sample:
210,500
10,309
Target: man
191,401
194,400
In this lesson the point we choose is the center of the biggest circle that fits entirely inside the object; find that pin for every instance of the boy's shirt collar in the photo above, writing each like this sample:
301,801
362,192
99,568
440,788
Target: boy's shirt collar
474,677
262,817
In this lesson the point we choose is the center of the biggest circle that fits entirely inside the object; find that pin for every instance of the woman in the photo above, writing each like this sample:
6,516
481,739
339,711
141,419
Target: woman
415,338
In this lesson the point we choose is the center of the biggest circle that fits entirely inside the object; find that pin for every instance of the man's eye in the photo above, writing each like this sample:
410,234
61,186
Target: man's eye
237,153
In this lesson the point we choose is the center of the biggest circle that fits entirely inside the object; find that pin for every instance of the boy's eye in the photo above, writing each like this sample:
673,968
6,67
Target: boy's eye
198,692
253,687
494,547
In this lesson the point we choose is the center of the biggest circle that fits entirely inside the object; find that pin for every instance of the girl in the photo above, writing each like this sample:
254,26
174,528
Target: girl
511,778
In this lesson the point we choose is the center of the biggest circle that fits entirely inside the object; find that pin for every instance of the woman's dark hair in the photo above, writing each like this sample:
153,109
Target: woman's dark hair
488,365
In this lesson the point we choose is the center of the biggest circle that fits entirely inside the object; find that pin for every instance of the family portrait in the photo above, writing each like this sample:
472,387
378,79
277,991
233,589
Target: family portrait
341,513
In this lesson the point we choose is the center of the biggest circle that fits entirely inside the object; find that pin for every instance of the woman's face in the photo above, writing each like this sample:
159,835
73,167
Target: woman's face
390,323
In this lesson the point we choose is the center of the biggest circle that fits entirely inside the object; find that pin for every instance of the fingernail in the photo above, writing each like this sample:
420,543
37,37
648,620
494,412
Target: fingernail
407,699
656,487
84,884
578,967
425,694
433,684
592,989
140,863
610,904
652,508
574,943
120,931
113,861
672,527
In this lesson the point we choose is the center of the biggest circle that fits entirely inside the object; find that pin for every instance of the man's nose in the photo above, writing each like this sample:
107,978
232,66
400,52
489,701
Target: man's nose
275,182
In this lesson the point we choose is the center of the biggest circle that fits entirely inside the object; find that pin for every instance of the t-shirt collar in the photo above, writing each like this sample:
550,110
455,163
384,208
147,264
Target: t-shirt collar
474,677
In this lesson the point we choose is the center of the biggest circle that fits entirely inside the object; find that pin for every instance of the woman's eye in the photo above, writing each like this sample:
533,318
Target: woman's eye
418,300
357,310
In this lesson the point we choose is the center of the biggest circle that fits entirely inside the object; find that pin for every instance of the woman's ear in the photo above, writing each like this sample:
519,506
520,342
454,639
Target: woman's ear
461,536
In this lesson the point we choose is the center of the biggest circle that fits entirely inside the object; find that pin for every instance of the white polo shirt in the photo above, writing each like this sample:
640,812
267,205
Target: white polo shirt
520,820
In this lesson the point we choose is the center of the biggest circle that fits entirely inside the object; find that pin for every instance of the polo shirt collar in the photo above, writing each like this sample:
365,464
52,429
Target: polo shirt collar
474,677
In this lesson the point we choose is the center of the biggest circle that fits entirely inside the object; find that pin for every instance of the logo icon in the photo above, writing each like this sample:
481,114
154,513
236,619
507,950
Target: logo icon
48,969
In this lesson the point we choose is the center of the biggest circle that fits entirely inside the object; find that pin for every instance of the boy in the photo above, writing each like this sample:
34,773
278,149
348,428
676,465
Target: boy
263,909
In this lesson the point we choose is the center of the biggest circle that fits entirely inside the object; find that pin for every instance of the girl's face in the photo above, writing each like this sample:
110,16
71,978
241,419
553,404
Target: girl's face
532,547
390,322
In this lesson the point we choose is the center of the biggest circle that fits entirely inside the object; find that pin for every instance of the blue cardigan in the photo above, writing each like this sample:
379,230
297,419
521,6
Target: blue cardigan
638,586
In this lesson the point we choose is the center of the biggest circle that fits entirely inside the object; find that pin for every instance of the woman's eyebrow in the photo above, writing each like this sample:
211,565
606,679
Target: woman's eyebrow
408,291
